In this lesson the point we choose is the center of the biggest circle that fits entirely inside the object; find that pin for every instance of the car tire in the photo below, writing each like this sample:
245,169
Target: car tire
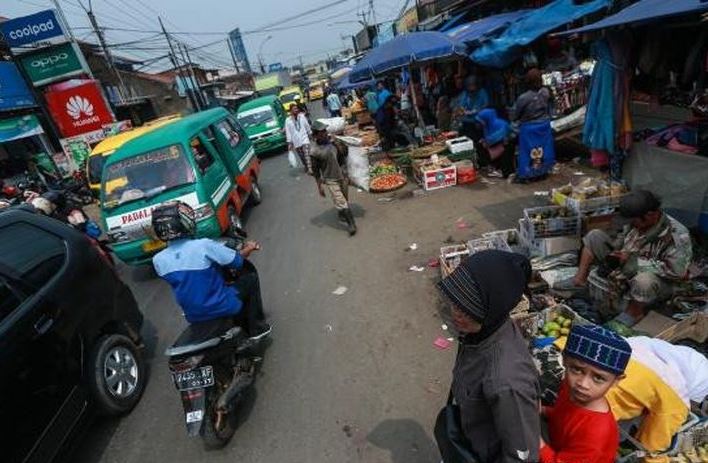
235,229
256,196
117,374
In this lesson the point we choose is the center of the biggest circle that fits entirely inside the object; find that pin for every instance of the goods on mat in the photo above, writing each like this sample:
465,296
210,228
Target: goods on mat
427,151
386,182
559,326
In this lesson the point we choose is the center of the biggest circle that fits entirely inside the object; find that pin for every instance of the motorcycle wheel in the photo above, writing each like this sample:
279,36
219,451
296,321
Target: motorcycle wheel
215,438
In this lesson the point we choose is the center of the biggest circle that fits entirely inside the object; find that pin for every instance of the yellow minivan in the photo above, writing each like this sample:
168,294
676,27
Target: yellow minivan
98,156
289,95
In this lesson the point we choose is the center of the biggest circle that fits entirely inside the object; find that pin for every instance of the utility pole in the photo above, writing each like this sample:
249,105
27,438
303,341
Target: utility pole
106,52
192,77
63,18
233,55
178,71
373,13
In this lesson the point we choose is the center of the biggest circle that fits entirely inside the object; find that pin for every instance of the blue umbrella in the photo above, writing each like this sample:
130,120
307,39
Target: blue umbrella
405,50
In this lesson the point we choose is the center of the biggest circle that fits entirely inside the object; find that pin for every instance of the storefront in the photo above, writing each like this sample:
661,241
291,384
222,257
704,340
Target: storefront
24,148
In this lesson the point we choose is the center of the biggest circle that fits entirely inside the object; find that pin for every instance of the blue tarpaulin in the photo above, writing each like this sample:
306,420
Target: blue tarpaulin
646,10
475,30
404,50
452,22
345,84
509,46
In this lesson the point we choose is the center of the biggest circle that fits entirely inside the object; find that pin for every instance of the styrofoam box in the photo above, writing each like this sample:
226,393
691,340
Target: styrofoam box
459,144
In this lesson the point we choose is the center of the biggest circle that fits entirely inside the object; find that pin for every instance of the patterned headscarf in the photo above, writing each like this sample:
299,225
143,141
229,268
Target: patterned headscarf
598,346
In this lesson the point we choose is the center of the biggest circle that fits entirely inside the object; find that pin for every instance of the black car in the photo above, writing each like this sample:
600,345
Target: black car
69,336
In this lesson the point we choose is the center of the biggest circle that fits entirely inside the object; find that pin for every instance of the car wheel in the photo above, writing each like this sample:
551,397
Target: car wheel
235,229
117,376
256,194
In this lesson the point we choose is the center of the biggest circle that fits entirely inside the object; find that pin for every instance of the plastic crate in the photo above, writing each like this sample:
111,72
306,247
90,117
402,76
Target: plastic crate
545,246
484,244
451,256
599,289
460,144
554,226
608,204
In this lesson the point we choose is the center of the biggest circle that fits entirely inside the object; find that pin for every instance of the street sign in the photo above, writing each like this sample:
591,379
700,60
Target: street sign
275,67
13,90
239,51
79,109
37,30
52,64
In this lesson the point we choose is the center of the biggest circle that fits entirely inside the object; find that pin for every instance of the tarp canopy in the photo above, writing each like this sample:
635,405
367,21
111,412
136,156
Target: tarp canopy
404,50
345,84
501,51
475,30
646,10
452,22
19,127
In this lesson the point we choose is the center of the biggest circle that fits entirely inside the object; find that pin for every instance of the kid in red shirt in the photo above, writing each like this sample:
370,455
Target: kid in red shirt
581,426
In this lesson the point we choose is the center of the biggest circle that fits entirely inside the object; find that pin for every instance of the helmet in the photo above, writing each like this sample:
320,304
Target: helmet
297,98
43,205
174,220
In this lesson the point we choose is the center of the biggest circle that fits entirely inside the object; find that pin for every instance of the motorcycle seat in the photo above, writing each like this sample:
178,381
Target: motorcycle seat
203,335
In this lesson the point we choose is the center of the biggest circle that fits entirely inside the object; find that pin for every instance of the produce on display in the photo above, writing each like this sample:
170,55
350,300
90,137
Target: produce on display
387,182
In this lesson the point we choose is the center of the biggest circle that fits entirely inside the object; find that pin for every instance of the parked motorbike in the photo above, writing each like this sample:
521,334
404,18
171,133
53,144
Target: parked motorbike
213,364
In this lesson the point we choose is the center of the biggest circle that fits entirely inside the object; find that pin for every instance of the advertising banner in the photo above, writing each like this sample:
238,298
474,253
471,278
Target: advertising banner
37,30
13,90
76,149
19,127
52,64
79,109
239,51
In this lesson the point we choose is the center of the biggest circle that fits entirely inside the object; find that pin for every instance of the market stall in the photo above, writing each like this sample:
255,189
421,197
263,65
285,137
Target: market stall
24,147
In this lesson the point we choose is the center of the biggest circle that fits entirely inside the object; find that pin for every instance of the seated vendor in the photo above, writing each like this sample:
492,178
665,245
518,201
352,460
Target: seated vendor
646,264
581,425
390,127
469,103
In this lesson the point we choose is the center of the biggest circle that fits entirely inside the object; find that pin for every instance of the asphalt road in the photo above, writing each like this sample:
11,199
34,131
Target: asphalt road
350,378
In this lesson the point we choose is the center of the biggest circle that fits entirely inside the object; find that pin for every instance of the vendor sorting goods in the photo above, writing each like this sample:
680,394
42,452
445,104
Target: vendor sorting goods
581,425
329,162
497,148
392,130
645,266
494,381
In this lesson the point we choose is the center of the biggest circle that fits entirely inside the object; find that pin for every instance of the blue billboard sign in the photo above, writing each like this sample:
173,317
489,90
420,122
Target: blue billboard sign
14,92
275,67
34,31
239,51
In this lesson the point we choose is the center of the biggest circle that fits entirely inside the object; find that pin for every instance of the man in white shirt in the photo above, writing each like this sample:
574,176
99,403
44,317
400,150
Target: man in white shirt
334,104
297,134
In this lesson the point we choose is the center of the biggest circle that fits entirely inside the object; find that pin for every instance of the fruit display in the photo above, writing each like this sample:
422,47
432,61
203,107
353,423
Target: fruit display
559,326
387,182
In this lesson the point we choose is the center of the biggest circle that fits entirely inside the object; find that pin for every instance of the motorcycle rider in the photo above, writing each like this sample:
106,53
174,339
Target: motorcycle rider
192,268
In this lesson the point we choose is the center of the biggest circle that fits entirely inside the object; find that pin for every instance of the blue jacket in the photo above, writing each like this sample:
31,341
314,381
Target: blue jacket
495,128
474,102
191,267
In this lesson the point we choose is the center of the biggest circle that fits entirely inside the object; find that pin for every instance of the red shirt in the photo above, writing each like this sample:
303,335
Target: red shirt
579,435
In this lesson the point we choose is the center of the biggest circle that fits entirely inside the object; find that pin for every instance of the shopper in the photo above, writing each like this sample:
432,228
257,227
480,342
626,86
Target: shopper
330,170
494,379
534,105
382,93
372,103
297,134
334,104
581,425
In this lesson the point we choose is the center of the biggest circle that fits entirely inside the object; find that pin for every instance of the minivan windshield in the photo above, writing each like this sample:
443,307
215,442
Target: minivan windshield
288,97
146,175
95,167
256,116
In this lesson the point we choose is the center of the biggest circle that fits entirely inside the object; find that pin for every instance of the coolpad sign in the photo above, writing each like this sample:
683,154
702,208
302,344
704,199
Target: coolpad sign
33,31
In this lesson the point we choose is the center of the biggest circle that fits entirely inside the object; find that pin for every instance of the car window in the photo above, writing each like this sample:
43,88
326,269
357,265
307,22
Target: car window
30,254
10,299
201,154
236,126
230,134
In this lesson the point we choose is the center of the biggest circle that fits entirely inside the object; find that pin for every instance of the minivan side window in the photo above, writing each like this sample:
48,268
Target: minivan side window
236,126
230,134
201,154
10,299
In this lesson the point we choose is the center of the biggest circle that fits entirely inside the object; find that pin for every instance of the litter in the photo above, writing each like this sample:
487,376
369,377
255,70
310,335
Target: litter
461,224
434,262
541,193
340,290
444,327
415,268
578,173
451,339
413,247
387,199
442,343
328,327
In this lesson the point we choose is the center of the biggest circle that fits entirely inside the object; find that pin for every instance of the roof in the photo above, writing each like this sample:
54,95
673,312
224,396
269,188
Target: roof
168,134
255,103
646,10
111,144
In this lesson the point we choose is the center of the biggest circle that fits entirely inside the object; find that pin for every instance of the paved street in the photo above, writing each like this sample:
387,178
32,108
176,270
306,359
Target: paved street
351,378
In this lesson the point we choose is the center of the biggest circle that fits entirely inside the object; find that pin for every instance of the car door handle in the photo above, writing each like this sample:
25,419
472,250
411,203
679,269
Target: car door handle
43,324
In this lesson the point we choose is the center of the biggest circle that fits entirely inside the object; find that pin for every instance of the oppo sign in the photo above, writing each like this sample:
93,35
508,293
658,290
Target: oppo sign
27,32
52,64
49,60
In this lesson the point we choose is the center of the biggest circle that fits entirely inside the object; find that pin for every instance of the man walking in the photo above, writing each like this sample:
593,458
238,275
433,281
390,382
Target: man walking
329,161
334,104
297,134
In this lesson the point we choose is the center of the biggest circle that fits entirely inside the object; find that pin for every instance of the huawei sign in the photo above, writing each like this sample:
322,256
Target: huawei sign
79,109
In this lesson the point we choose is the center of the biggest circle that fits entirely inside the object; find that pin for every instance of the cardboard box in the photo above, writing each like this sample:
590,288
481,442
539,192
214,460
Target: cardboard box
654,323
695,327
435,179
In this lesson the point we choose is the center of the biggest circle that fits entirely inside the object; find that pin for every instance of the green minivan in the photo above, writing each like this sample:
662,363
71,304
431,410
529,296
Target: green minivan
205,160
264,121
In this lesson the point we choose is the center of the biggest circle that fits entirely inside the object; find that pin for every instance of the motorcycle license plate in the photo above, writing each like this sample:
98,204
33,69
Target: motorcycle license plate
194,379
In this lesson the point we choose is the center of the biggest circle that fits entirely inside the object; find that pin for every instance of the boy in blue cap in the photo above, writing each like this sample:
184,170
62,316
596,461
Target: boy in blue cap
581,425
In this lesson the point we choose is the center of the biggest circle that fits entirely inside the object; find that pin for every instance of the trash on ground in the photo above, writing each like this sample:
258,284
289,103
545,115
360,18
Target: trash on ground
444,327
461,224
442,343
415,268
579,173
541,193
340,290
412,247
434,262
387,199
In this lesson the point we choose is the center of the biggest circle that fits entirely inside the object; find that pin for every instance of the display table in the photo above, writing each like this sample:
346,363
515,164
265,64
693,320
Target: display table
680,180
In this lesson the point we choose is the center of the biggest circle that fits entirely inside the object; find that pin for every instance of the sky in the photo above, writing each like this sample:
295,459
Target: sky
313,36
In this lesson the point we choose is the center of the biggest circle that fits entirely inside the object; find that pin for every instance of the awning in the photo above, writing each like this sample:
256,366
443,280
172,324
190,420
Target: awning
19,127
475,30
452,22
646,10
509,46
345,84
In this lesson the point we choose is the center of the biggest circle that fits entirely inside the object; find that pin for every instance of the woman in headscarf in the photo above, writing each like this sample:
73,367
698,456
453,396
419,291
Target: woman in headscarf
494,382
470,102
497,149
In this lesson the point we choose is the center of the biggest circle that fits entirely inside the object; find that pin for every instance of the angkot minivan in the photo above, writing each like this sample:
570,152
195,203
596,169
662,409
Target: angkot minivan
264,121
205,160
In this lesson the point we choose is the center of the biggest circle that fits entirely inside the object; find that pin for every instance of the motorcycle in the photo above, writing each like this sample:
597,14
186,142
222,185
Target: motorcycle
213,364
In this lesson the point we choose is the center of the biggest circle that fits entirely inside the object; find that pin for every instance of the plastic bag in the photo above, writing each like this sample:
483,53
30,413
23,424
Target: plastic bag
358,167
294,159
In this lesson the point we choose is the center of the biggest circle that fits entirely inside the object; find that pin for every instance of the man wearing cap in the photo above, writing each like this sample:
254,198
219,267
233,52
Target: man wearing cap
329,164
644,266
581,425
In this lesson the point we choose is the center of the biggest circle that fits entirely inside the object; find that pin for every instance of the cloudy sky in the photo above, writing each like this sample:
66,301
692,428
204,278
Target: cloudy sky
313,35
